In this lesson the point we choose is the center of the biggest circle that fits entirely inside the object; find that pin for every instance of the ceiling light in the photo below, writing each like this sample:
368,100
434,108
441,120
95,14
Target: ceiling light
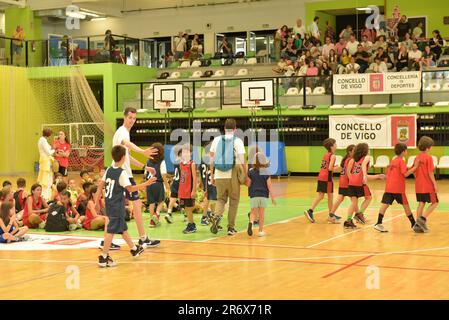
89,13
76,15
363,9
98,19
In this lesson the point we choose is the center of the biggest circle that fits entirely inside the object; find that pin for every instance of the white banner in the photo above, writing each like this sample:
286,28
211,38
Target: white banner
377,83
374,130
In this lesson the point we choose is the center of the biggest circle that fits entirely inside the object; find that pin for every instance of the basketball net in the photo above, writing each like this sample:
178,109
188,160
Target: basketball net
164,106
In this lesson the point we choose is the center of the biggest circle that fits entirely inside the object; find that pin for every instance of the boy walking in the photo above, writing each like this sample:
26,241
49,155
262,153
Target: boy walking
116,181
425,185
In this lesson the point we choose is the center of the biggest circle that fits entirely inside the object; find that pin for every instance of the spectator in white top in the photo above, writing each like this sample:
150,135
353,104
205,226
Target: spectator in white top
417,31
367,45
378,66
408,43
299,28
45,177
346,33
352,67
180,46
327,47
227,181
352,44
414,58
314,30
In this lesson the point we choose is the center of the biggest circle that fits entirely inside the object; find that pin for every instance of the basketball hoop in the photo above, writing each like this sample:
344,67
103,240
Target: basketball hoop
253,105
163,106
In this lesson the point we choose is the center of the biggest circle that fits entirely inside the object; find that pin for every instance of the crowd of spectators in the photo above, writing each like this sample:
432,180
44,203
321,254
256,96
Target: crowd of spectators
392,47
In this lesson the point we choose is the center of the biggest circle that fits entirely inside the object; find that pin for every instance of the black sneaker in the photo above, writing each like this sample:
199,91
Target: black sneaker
113,246
360,218
349,225
191,228
214,224
220,228
250,229
138,251
106,262
147,243
309,215
417,228
231,231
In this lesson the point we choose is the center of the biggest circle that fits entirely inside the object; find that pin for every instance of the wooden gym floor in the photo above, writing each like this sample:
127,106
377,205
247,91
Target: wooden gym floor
296,260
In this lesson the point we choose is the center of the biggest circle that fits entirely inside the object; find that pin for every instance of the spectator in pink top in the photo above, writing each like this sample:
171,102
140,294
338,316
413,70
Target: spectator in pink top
62,152
341,44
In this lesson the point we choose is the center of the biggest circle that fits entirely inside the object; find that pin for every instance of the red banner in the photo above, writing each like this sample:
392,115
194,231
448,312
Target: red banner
403,130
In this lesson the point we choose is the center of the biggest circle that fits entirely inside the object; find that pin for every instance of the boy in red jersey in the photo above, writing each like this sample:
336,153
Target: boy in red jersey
325,183
395,186
425,185
358,178
187,186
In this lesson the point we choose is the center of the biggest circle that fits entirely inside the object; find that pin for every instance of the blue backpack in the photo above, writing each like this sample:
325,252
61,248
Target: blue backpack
224,158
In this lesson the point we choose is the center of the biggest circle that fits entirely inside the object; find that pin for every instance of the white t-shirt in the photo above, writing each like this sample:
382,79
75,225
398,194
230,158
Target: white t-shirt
352,47
239,149
120,135
413,55
44,147
301,30
179,43
123,180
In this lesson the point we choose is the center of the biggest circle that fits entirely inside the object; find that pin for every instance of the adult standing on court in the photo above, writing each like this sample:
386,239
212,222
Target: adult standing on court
62,152
228,170
122,137
45,176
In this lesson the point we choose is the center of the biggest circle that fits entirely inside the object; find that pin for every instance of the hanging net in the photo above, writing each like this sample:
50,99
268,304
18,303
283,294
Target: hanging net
71,106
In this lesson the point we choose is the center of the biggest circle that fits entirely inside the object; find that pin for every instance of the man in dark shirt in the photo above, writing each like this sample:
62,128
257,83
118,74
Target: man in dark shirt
383,56
403,27
361,58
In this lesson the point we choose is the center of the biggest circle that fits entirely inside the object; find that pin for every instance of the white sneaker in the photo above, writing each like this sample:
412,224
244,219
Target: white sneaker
72,227
42,225
262,234
380,227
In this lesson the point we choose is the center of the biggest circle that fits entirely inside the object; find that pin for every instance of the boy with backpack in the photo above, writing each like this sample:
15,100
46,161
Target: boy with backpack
227,167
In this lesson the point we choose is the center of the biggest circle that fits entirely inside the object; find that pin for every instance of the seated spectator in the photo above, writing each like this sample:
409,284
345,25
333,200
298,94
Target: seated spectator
325,79
428,58
340,46
352,44
414,58
378,66
380,43
281,66
333,61
362,58
312,70
403,27
9,227
328,46
402,58
368,35
298,41
35,211
436,44
417,31
383,56
352,67
94,220
367,44
290,51
408,42
346,33
74,219
307,41
345,58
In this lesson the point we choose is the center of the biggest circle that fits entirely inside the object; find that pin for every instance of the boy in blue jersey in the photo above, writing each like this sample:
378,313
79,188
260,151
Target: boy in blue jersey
174,188
116,181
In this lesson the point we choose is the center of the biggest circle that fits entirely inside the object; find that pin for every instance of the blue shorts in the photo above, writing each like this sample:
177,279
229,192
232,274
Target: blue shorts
16,49
155,193
1,234
211,193
133,196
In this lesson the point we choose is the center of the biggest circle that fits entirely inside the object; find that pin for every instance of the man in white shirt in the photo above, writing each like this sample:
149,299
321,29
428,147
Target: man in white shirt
299,28
180,46
414,57
122,137
227,182
314,30
352,44
378,66
368,45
